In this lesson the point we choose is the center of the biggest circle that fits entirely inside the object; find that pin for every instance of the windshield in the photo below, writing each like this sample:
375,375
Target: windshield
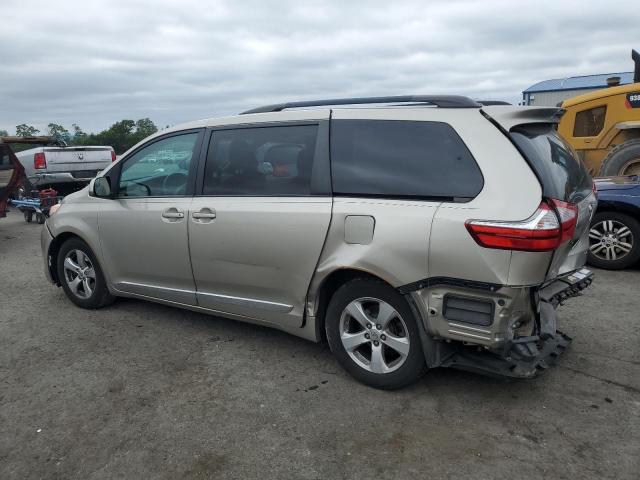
562,174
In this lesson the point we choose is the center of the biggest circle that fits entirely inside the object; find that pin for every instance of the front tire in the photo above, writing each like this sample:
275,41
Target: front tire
373,334
81,276
614,240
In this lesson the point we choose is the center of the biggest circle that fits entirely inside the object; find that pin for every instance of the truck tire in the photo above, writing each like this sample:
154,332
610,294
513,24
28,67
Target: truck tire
623,159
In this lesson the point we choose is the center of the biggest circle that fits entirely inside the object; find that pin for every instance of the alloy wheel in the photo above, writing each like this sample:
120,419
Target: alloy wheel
374,335
610,240
79,273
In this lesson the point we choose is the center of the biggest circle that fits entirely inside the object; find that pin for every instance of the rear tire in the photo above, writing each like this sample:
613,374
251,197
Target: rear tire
379,345
81,276
614,233
624,159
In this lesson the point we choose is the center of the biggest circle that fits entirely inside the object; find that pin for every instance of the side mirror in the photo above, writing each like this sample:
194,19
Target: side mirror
101,187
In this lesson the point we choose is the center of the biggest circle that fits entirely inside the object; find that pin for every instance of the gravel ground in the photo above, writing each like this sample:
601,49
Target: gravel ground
139,390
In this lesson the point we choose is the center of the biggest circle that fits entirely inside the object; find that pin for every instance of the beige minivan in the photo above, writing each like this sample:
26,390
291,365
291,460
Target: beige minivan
409,232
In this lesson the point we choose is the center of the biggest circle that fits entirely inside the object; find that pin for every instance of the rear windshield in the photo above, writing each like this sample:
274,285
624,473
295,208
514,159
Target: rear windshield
562,174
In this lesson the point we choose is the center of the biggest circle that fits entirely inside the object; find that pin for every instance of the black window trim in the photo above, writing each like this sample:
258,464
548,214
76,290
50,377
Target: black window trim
417,198
320,176
193,166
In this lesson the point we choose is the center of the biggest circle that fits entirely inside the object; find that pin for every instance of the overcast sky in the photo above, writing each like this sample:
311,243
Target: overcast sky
94,62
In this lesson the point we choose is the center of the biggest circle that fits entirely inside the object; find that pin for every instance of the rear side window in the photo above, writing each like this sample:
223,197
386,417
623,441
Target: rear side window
589,123
264,161
401,159
562,174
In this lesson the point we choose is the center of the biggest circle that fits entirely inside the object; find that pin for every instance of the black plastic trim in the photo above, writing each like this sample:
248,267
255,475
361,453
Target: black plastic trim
454,282
321,171
487,103
447,308
442,101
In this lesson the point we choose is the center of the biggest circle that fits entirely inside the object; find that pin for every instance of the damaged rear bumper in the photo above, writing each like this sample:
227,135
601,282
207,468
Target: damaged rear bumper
524,356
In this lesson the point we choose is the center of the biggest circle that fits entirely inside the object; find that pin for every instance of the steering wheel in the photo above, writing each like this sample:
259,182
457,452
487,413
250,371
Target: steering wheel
175,183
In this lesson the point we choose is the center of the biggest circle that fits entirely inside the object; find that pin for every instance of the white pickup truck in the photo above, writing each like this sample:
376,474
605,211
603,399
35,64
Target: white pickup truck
64,168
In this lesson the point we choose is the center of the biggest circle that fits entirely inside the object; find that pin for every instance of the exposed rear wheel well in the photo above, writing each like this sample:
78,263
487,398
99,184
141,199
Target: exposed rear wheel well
329,286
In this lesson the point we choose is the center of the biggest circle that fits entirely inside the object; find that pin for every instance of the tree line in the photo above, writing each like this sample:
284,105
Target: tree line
121,135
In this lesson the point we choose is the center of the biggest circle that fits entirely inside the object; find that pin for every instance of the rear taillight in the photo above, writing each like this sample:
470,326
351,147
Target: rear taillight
549,226
568,214
39,161
113,155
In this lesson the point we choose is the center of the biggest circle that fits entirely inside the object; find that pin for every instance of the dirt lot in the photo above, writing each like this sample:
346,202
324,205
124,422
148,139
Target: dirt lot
140,390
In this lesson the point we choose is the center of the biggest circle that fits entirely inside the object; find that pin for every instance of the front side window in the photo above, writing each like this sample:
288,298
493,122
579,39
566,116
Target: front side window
401,159
160,169
262,161
589,123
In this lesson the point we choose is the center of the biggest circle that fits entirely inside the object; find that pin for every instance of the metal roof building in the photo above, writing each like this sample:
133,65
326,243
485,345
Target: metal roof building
551,92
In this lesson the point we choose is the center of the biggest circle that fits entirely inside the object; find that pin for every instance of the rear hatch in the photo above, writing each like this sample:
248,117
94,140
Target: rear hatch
562,175
81,162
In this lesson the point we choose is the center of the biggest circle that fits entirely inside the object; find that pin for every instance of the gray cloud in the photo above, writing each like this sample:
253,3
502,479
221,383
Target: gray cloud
94,63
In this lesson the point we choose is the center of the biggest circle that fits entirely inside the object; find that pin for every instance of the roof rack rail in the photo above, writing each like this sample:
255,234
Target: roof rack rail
443,101
488,103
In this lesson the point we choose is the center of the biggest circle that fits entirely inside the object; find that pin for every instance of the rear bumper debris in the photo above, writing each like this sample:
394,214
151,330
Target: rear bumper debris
526,357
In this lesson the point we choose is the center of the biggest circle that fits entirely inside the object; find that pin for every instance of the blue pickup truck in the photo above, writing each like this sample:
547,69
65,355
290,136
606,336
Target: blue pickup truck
615,229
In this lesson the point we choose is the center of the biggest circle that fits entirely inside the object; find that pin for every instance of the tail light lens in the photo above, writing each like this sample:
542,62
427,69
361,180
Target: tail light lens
549,226
568,214
113,155
39,161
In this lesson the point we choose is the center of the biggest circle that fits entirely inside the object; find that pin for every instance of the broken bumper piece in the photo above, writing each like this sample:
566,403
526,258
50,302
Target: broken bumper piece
526,357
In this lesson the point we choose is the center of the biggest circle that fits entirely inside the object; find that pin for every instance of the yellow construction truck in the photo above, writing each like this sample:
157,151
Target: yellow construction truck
604,126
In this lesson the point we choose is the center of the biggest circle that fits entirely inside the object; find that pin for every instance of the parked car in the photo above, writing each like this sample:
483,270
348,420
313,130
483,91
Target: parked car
615,229
64,168
421,231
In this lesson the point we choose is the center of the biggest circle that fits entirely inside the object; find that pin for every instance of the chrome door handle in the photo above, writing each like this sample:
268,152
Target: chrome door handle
204,215
172,214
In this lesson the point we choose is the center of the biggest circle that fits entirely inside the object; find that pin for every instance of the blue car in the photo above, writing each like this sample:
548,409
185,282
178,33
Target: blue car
615,229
